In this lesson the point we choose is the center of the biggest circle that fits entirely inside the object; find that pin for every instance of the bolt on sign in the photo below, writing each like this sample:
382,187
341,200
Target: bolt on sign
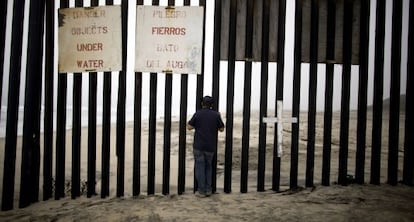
169,39
90,39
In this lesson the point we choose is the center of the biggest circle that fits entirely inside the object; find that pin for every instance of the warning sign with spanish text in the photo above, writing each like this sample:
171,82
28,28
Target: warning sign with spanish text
169,39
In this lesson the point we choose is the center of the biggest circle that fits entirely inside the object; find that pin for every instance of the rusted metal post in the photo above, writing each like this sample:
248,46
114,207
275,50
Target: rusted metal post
152,129
29,183
61,128
136,172
183,110
378,93
49,94
263,96
327,123
167,128
394,124
294,158
12,106
3,20
120,118
313,79
346,85
408,171
279,88
362,91
76,127
106,129
230,95
92,129
247,100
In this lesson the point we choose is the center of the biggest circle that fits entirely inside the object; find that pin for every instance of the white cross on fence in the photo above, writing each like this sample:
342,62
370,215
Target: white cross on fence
279,120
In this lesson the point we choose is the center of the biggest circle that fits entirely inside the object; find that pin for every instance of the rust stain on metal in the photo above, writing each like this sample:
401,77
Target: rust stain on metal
168,71
61,18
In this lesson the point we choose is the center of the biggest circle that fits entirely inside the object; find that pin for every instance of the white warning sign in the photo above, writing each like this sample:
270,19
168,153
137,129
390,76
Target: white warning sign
169,39
90,39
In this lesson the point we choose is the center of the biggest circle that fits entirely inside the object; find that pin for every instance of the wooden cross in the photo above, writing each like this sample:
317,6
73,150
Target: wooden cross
279,120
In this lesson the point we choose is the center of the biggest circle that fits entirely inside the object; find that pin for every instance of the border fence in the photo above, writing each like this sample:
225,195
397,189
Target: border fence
325,32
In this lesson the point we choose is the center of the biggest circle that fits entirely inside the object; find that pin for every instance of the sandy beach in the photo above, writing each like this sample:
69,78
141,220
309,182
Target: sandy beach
333,203
320,203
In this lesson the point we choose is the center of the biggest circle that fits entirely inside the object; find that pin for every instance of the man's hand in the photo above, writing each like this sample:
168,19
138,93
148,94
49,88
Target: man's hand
189,127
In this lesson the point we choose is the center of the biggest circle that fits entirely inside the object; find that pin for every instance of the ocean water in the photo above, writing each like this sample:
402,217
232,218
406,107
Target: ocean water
129,117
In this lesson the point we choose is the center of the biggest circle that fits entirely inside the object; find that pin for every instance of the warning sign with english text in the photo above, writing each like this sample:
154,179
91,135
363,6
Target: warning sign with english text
90,39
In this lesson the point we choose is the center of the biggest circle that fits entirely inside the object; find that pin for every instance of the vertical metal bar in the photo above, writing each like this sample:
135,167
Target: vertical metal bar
136,179
49,94
230,95
136,173
61,136
346,85
263,96
92,128
152,132
76,134
313,71
167,129
408,170
61,128
330,57
12,106
91,182
182,135
106,129
106,134
76,131
394,124
182,151
183,114
378,93
246,102
279,87
199,94
3,20
183,125
29,183
296,95
362,91
120,117
216,53
152,129
167,134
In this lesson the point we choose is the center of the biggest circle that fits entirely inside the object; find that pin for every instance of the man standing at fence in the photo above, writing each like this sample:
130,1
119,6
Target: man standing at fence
206,123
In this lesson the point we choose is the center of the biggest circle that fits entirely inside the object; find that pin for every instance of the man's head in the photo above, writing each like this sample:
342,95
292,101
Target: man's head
207,102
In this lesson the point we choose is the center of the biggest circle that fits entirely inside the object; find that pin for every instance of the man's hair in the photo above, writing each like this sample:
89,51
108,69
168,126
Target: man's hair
207,102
